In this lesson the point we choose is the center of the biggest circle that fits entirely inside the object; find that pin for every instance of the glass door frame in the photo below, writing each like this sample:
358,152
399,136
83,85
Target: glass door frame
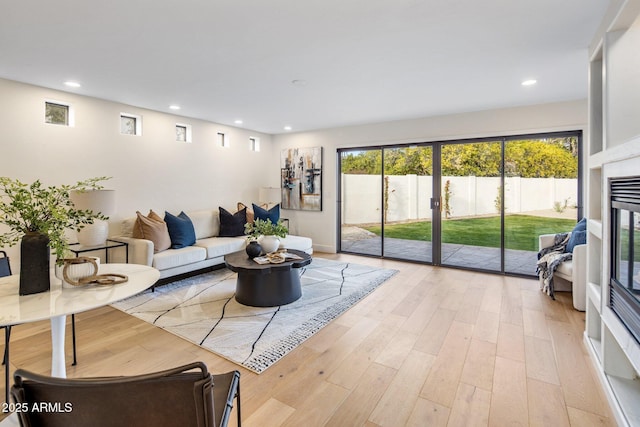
436,198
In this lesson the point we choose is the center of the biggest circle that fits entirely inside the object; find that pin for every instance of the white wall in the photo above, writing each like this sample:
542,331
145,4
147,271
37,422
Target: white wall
149,171
322,226
154,171
470,196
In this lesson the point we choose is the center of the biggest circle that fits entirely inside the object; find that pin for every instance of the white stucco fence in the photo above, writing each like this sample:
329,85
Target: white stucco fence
409,196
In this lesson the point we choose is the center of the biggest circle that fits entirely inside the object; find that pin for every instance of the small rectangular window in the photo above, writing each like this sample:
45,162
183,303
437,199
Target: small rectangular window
56,113
183,132
223,140
254,143
130,124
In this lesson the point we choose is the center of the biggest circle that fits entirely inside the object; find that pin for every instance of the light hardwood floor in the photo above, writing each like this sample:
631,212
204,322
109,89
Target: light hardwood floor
430,347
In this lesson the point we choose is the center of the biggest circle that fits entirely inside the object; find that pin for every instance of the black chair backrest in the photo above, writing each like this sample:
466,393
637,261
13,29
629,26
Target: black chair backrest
173,397
5,267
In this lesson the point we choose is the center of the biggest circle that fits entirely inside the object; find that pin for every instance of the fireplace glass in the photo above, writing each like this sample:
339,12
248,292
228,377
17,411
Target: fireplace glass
624,297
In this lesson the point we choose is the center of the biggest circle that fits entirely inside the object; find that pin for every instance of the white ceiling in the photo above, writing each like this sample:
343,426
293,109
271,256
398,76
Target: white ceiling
360,61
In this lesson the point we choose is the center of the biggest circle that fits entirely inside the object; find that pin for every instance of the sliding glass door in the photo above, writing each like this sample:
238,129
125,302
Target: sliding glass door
540,195
387,214
361,207
471,210
407,215
476,204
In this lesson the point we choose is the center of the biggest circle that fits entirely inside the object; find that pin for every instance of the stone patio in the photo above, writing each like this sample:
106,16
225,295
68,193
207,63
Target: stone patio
473,257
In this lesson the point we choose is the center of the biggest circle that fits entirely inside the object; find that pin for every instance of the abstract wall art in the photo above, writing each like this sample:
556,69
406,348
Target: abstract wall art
301,178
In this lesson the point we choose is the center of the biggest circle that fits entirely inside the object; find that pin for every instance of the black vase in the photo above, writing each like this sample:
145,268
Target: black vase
253,249
34,264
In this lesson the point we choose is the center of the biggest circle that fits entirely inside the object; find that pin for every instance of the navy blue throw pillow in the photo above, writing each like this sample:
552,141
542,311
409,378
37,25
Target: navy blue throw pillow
272,214
181,230
581,225
578,235
577,238
232,225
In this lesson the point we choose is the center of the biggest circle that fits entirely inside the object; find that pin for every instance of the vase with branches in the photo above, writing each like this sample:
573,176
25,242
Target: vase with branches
40,215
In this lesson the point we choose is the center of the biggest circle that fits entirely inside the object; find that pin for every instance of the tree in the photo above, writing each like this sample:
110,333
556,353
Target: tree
478,159
362,162
538,158
541,159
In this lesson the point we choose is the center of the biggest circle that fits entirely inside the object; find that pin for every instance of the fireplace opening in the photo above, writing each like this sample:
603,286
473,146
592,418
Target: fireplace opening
624,295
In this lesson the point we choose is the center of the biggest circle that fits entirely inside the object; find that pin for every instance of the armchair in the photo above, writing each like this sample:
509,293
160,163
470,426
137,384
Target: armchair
573,272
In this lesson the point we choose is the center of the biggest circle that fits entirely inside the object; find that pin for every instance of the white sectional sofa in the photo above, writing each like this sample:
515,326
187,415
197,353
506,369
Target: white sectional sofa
208,251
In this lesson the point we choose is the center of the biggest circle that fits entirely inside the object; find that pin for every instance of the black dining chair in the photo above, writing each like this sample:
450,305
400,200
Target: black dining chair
183,396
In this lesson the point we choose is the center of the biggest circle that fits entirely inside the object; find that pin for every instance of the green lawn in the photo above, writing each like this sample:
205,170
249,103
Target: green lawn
521,231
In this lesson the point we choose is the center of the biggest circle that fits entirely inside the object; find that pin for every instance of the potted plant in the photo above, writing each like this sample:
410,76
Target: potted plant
266,233
38,217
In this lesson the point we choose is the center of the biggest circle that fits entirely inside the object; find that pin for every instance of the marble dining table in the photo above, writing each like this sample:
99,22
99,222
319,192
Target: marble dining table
59,301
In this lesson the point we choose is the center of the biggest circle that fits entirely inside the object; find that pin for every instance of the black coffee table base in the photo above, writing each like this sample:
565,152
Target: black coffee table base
268,290
267,285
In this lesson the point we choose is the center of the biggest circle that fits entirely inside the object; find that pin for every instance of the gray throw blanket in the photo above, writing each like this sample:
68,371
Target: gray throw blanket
549,259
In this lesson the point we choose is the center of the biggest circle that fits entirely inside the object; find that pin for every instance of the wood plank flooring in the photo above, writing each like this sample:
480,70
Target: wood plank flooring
430,347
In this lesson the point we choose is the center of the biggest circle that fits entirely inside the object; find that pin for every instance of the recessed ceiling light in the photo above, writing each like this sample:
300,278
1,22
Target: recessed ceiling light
287,128
238,122
72,84
529,82
174,107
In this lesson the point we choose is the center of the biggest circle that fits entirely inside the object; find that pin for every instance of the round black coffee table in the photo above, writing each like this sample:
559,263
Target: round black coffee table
267,285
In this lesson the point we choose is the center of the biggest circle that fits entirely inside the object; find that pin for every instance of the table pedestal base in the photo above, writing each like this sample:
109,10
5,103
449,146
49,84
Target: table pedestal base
58,367
268,290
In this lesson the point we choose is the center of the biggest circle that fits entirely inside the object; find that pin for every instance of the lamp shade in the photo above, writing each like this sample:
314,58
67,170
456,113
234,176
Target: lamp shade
97,201
270,195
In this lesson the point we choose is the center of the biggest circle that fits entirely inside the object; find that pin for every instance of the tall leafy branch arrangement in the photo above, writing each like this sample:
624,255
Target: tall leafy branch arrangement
49,210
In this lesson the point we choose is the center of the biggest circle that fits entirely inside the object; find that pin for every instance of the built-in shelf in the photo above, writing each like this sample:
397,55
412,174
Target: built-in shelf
621,346
594,293
627,392
595,228
594,198
595,103
596,160
595,345
619,370
594,260
613,149
593,328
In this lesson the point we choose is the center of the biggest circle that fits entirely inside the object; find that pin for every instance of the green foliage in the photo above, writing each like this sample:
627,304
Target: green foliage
56,113
538,158
362,162
385,202
447,199
479,159
48,210
410,160
497,202
559,207
264,227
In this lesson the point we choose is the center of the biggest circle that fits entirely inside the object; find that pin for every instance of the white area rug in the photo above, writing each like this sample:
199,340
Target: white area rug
203,310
